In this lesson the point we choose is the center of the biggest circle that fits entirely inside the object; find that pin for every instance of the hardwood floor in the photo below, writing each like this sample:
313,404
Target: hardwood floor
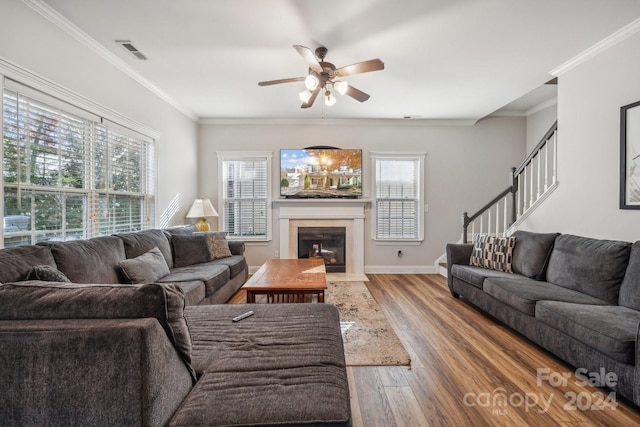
467,369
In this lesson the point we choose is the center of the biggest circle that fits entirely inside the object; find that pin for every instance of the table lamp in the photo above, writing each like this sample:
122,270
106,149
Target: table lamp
202,208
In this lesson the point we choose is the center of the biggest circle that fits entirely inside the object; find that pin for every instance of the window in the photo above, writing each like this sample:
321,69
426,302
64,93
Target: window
244,187
69,174
398,196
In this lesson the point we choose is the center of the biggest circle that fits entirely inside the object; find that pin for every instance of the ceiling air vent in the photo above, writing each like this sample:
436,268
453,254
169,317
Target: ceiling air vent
131,49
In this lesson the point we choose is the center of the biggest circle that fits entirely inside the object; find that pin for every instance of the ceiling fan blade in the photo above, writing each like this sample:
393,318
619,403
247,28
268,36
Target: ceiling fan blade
277,82
357,94
308,56
360,67
314,94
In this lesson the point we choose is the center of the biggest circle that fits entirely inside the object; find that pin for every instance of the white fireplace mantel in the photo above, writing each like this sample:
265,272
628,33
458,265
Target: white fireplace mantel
348,213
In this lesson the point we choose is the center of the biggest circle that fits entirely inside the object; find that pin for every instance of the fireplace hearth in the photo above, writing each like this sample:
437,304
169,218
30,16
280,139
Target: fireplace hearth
327,243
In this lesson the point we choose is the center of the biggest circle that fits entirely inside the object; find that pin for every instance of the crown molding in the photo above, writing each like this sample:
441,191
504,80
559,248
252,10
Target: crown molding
606,43
337,122
508,113
35,81
63,23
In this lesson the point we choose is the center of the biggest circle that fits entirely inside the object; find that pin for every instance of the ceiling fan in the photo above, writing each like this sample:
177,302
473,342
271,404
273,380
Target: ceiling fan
324,75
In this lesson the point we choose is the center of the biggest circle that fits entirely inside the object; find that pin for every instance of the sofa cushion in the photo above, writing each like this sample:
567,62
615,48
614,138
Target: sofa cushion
236,263
194,291
266,340
35,300
16,263
213,274
146,268
89,261
141,242
630,288
591,266
236,247
306,396
47,273
531,253
182,230
611,330
476,275
523,293
190,249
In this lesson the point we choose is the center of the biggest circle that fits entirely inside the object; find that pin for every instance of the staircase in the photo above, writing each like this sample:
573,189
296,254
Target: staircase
530,184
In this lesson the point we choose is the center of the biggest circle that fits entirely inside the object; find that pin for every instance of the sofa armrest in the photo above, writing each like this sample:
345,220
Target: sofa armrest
236,247
636,371
457,253
89,372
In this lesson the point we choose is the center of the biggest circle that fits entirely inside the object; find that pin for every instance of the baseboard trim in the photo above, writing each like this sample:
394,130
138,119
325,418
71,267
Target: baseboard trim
400,269
385,269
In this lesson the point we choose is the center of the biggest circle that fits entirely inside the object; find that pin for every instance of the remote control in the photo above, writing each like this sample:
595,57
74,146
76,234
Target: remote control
243,316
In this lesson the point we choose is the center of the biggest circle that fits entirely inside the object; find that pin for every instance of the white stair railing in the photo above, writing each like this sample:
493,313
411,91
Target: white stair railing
531,183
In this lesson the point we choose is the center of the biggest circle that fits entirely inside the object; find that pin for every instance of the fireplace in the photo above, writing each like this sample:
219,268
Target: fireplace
300,213
327,243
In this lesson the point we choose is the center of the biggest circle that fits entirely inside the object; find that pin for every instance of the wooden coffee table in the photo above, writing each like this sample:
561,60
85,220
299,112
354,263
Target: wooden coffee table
288,281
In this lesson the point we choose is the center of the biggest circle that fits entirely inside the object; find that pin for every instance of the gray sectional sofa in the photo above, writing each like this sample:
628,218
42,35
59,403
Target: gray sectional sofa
575,296
80,345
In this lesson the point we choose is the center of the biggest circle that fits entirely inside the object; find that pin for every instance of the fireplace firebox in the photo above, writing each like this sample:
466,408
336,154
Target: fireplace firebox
327,243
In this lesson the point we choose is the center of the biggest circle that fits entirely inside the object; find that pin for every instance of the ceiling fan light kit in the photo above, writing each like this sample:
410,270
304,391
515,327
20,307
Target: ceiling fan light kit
305,95
321,77
341,87
311,82
329,99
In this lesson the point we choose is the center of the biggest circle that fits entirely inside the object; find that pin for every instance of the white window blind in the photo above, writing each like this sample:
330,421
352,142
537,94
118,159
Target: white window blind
398,197
245,196
68,175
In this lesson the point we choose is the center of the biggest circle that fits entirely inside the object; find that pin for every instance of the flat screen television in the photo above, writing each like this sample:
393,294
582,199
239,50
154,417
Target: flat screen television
321,173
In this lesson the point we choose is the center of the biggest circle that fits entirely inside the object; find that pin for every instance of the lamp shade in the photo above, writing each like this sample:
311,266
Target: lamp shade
201,208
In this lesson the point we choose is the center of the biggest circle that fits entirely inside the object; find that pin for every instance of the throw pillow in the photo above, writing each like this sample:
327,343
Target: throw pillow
495,253
190,249
146,268
47,273
218,244
477,254
139,242
498,252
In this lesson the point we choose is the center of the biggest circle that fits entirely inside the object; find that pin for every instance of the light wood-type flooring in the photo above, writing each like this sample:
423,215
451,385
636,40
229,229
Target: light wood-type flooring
468,370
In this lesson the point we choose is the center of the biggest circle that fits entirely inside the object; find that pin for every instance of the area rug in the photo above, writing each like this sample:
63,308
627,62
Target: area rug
369,339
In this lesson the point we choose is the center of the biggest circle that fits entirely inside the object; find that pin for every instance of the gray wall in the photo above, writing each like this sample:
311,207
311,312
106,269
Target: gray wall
539,123
589,99
465,167
33,43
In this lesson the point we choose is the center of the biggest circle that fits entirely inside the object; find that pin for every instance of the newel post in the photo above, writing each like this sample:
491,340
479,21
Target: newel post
465,225
514,196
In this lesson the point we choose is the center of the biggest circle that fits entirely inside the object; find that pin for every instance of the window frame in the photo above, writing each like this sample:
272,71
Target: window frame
20,81
267,157
420,198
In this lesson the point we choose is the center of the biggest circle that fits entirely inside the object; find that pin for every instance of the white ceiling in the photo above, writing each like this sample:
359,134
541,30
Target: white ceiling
444,59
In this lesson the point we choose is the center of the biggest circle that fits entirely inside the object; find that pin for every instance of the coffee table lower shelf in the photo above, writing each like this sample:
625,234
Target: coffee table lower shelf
286,296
